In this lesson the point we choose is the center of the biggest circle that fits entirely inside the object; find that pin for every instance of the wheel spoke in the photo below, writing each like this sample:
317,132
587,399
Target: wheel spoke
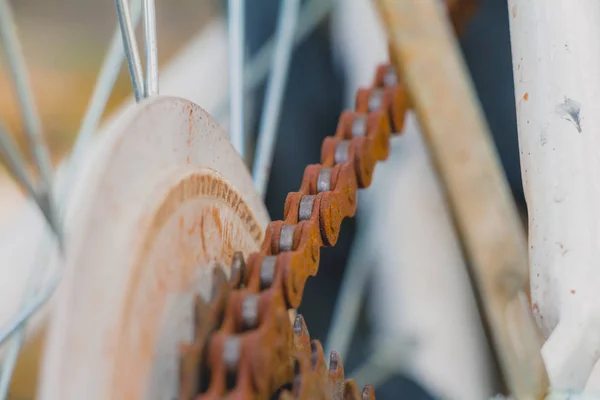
33,126
311,15
236,11
151,47
284,45
8,364
17,168
34,299
15,163
134,63
104,86
17,322
30,304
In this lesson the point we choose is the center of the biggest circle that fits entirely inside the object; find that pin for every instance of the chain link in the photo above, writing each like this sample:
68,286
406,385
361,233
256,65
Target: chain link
245,346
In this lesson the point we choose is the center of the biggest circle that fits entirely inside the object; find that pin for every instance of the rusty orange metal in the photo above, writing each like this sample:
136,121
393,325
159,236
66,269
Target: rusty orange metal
256,352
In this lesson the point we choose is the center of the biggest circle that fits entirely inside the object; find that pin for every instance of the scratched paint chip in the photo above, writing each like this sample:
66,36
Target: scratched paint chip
570,110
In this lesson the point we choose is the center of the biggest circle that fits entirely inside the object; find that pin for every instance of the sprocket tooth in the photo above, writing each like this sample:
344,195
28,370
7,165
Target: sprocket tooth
308,384
220,283
317,358
286,395
238,269
207,318
351,391
368,393
336,375
190,356
300,325
201,313
336,367
301,335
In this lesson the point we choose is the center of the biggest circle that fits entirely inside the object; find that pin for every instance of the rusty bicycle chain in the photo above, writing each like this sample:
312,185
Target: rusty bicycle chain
244,345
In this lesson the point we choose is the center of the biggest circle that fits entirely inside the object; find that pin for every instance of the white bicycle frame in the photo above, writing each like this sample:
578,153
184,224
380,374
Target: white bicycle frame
557,92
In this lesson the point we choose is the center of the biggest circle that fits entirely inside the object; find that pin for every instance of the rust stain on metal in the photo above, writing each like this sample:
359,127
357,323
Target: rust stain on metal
217,219
272,353
202,236
257,361
138,352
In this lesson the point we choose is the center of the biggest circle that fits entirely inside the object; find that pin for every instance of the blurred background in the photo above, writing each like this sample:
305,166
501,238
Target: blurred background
65,41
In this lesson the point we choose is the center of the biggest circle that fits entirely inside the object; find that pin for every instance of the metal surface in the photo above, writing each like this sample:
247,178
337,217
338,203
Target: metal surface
35,298
151,46
557,125
104,85
323,180
286,240
341,151
201,146
19,320
311,15
306,207
251,349
41,156
267,271
277,276
31,118
268,359
425,52
16,167
134,63
250,311
309,375
403,221
359,126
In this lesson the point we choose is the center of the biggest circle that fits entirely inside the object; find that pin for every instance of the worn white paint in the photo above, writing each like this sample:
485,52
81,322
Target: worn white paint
142,231
556,59
423,301
194,74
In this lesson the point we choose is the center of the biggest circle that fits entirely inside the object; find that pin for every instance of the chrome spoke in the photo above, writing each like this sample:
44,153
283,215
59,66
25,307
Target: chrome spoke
311,15
31,297
151,47
31,119
18,322
17,168
104,86
15,163
34,299
269,122
8,364
236,15
134,63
